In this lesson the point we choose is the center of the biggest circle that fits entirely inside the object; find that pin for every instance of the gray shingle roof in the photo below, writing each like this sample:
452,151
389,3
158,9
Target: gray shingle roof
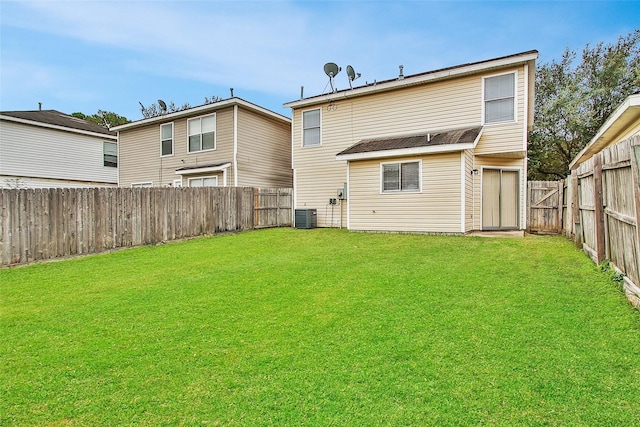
56,118
455,136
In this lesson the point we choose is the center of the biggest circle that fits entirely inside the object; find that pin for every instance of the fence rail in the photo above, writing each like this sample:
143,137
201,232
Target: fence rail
40,224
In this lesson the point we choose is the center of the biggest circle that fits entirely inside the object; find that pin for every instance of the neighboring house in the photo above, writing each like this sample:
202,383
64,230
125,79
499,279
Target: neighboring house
443,151
50,149
622,124
227,143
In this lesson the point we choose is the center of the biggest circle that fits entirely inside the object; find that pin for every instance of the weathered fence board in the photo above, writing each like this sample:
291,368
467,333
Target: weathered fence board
49,223
605,194
545,202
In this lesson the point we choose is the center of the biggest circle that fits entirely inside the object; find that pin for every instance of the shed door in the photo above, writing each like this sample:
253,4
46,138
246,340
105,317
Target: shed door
500,199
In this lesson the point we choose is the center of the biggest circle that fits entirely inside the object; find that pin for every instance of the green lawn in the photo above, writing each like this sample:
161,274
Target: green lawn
320,327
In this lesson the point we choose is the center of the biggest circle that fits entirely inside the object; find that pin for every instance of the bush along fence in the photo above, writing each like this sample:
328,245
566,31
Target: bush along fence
602,211
43,224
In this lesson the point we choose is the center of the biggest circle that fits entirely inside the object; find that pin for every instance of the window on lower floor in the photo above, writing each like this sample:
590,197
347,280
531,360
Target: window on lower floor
110,154
142,184
205,181
401,176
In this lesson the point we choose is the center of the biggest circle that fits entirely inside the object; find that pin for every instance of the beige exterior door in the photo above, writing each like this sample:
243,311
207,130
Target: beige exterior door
500,199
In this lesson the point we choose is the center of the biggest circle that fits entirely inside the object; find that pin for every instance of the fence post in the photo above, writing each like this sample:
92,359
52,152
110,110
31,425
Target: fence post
560,205
575,206
599,208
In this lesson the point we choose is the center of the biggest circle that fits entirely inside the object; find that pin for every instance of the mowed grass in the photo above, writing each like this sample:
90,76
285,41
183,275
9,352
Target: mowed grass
320,327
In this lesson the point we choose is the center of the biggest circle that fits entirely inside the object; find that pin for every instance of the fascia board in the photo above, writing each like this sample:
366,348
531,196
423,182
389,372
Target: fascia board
204,170
448,148
56,127
415,80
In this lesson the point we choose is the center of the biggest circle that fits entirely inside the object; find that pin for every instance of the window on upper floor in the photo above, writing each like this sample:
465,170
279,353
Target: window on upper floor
311,128
400,177
110,154
499,98
202,133
166,139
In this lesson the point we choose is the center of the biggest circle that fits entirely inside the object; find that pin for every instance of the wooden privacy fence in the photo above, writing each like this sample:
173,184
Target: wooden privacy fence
603,215
49,223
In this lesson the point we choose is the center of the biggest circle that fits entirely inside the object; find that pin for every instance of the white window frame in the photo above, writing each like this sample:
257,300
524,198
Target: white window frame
203,177
173,139
515,98
399,163
141,184
177,183
319,144
215,134
104,154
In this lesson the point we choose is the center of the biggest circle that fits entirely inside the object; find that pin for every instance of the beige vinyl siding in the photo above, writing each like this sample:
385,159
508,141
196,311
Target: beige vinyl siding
264,151
38,152
437,208
140,159
468,189
508,136
436,106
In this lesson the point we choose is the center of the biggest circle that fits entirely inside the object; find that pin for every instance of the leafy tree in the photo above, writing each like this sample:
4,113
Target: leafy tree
156,109
103,118
573,101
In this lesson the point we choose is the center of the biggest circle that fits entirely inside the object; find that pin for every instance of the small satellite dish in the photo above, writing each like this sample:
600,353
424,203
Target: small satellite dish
352,75
162,105
331,70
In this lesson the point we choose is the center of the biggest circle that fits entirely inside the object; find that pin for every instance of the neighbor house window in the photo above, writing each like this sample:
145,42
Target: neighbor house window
401,176
202,133
110,154
499,98
311,128
166,139
205,181
142,184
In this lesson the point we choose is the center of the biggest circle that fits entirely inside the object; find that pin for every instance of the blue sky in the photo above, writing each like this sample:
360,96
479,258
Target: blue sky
89,55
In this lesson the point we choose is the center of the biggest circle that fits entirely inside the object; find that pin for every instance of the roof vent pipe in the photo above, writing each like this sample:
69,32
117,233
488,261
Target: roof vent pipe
401,76
301,92
40,106
231,89
429,137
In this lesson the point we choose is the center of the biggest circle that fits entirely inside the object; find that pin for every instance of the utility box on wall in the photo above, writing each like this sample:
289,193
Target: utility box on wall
306,218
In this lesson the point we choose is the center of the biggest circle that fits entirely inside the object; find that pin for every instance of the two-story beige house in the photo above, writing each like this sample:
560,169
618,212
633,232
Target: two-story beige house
443,151
231,142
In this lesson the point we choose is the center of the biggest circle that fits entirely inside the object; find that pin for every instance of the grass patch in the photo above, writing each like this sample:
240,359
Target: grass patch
320,327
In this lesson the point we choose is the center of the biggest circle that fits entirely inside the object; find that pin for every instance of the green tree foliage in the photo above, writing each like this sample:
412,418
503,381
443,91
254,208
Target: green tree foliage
103,118
156,109
574,100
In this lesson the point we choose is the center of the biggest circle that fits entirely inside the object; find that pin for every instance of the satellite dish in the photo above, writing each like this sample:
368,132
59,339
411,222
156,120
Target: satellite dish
162,105
352,74
331,70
